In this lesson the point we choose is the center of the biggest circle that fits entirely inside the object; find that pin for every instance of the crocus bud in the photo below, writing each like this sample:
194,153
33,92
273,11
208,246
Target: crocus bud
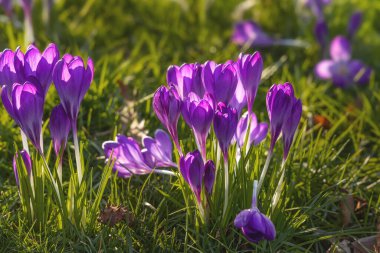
40,66
209,176
192,169
220,80
27,109
290,125
257,131
250,68
158,150
225,122
279,105
72,80
186,79
249,33
239,100
321,33
354,23
167,106
59,128
27,163
127,156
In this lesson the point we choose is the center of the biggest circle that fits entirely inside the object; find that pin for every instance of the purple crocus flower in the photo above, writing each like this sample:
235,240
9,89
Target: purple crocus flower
186,79
249,33
257,131
317,6
290,126
167,106
279,103
7,6
341,69
59,128
27,163
9,62
198,114
321,33
127,156
209,176
254,224
220,80
39,66
158,150
239,100
72,80
250,67
354,23
225,122
26,108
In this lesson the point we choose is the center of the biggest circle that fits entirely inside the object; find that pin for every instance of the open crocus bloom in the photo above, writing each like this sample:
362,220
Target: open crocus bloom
341,69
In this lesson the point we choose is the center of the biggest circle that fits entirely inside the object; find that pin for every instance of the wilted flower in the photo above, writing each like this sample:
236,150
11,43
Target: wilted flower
72,80
254,224
341,69
59,128
257,131
198,114
220,80
354,23
186,78
27,163
250,67
167,106
249,33
225,122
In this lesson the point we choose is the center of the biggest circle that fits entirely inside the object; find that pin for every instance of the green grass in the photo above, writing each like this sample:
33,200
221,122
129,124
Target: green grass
132,43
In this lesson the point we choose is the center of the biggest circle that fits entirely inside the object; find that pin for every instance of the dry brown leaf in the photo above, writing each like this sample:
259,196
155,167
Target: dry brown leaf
111,215
347,208
322,121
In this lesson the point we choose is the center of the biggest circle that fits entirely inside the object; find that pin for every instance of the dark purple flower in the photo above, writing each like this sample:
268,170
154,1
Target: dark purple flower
127,156
26,108
198,114
225,122
250,67
186,79
209,176
192,169
59,128
341,69
255,225
354,23
279,102
220,80
159,150
7,6
290,126
40,66
72,80
257,131
27,163
249,33
167,106
321,33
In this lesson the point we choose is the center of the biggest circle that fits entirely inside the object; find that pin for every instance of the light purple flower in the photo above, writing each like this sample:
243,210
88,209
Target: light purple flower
249,33
198,114
225,123
158,150
27,163
257,132
250,67
186,78
220,80
341,69
59,128
72,80
167,106
354,23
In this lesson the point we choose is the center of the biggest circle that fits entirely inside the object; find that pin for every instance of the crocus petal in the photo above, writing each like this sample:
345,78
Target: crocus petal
323,69
340,49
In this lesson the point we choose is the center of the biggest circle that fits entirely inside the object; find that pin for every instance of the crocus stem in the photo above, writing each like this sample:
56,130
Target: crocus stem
226,182
77,153
24,141
277,193
59,170
42,142
28,26
254,194
264,171
165,172
291,43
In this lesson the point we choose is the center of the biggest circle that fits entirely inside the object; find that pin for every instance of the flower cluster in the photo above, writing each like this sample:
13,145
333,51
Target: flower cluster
26,79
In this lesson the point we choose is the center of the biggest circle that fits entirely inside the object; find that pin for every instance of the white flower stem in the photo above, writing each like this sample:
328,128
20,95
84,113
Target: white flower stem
77,153
278,191
254,194
264,171
24,141
59,170
226,184
165,172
